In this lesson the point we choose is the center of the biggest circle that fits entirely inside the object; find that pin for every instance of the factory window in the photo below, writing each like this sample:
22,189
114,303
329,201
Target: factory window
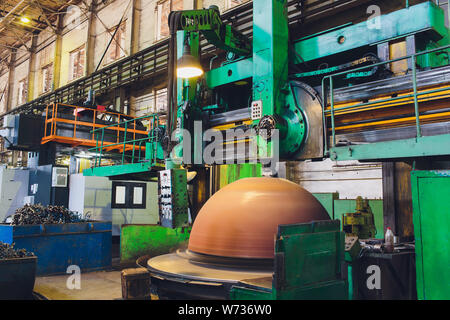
153,102
161,100
163,9
128,195
77,58
117,46
22,94
47,78
145,104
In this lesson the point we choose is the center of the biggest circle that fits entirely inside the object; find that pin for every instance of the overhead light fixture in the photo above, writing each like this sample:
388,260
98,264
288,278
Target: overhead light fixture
25,19
188,66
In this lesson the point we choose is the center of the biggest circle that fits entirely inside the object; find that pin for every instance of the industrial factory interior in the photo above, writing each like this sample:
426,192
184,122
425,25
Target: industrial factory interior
224,150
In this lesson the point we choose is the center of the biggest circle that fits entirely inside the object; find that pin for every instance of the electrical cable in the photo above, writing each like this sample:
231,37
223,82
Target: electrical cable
113,35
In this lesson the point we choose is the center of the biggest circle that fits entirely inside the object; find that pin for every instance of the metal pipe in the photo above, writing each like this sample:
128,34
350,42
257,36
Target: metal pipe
324,102
411,56
101,149
120,143
124,142
96,150
109,44
332,112
414,81
416,102
360,107
448,13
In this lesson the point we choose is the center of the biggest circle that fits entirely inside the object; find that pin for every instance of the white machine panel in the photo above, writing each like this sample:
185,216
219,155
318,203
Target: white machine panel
256,110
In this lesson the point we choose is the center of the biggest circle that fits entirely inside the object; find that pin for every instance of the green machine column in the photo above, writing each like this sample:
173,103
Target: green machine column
271,89
186,96
270,62
270,53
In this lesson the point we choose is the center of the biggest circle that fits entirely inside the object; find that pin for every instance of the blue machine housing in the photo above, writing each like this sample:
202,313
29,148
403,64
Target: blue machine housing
57,246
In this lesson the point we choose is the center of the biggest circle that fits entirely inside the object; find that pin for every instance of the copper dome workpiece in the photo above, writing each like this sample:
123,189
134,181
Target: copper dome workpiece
241,219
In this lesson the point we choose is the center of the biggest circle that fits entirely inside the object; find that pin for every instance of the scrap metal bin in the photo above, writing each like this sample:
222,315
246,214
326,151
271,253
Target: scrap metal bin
17,276
58,246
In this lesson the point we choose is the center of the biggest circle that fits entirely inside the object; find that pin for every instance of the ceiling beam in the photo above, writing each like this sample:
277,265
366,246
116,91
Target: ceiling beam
44,15
3,21
20,39
26,26
13,10
11,47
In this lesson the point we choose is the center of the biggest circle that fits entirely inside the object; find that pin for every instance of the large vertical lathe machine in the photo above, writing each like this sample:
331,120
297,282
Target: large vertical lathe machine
373,89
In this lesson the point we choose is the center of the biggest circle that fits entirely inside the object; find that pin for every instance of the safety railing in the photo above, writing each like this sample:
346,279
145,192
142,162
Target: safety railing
73,125
366,105
128,145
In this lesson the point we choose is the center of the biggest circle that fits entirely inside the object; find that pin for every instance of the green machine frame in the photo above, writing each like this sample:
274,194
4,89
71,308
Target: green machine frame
266,61
308,262
425,18
431,208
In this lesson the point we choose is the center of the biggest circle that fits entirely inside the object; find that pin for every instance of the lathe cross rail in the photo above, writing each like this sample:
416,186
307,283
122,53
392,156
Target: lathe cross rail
420,146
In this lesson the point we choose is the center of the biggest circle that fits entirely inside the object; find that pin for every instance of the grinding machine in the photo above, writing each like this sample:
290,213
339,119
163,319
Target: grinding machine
367,90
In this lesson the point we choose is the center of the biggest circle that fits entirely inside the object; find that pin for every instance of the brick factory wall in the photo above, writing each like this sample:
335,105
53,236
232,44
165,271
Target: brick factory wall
349,178
73,38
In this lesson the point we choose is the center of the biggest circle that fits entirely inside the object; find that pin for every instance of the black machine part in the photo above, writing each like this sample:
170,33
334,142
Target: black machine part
310,103
189,275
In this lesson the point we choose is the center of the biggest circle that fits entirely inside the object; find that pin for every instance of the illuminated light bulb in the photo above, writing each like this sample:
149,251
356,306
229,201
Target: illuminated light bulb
189,72
188,66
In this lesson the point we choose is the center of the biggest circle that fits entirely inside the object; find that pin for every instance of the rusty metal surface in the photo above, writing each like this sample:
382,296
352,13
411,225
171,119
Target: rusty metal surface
241,219
8,251
35,214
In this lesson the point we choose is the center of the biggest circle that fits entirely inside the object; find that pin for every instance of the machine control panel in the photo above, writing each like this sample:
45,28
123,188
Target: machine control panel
173,201
256,110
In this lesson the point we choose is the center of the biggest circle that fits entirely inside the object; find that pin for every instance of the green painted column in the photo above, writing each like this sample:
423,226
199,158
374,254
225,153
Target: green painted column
186,91
270,53
270,65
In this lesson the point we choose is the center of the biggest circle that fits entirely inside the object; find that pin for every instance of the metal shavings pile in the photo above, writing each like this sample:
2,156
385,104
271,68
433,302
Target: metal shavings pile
38,214
7,252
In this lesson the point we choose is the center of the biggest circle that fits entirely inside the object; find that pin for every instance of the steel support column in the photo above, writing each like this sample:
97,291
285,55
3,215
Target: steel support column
397,195
11,74
90,43
136,10
32,68
57,53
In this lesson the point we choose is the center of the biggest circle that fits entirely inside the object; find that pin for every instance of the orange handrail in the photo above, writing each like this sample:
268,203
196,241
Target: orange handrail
53,119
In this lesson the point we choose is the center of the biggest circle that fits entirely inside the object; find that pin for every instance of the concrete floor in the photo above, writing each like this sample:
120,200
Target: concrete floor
97,285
